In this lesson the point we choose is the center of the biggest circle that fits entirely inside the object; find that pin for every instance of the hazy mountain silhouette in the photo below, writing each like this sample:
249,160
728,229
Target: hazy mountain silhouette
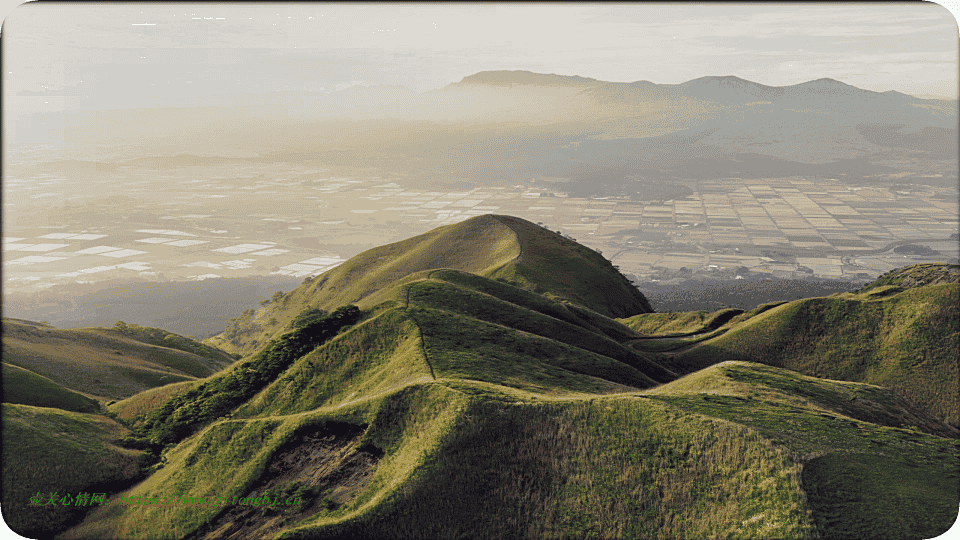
494,125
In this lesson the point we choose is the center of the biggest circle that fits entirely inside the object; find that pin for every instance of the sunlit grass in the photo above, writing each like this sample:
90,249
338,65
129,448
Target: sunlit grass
908,341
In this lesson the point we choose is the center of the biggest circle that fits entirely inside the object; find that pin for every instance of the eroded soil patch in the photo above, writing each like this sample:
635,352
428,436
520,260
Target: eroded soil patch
324,467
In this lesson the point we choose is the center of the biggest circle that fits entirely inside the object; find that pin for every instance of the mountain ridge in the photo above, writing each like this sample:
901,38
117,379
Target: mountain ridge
729,82
486,401
498,247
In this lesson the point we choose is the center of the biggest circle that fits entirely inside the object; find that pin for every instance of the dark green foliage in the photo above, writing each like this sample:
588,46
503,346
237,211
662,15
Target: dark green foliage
307,316
218,396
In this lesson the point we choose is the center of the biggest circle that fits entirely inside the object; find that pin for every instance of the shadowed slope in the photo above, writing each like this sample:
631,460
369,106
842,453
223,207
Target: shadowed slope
26,387
52,451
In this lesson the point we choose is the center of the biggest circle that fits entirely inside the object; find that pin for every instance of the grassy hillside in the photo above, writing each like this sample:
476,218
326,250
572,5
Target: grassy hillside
140,404
108,363
508,249
726,452
861,479
162,338
551,264
484,399
28,388
903,339
52,451
416,344
679,324
917,275
617,467
422,420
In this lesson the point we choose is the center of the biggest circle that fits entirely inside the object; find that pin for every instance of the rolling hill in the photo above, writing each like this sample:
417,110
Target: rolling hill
27,388
54,453
503,248
57,437
108,363
452,403
901,331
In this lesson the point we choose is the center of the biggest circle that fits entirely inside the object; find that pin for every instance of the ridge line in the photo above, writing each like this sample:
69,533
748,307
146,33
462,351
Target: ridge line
423,346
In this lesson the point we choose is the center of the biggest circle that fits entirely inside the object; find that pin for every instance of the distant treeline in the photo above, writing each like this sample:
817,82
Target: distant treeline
190,308
748,293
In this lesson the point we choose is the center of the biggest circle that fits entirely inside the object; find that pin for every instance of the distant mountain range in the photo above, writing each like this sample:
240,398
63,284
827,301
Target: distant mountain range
574,134
491,378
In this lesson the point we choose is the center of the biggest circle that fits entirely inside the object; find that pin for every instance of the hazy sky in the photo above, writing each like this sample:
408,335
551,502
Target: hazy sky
72,55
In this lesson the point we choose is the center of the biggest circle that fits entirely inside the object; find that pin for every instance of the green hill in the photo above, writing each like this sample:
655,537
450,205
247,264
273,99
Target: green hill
917,275
49,451
471,458
504,248
905,339
108,363
680,324
483,390
140,404
28,388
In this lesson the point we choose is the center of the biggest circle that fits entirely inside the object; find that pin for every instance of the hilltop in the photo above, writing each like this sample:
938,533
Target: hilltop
917,275
503,248
474,381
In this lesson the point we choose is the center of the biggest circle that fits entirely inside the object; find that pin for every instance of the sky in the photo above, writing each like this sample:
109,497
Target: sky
66,56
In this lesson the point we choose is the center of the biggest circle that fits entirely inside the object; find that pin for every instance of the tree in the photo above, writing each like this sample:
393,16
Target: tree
120,325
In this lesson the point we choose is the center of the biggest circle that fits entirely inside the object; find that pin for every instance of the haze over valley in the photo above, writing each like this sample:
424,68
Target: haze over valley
320,270
297,191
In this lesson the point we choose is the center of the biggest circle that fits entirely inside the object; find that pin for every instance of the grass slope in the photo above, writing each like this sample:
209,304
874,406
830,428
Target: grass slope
443,295
458,405
138,405
679,324
52,451
229,458
105,363
551,264
509,249
616,467
476,245
861,479
27,388
162,338
906,340
916,275
731,451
